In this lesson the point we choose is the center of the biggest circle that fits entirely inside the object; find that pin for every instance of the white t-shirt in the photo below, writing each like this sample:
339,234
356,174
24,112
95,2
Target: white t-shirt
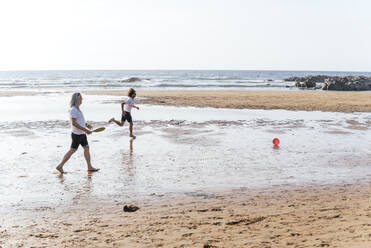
129,104
76,113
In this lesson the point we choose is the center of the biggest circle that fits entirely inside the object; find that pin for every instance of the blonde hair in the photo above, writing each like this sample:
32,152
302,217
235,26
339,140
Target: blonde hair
74,99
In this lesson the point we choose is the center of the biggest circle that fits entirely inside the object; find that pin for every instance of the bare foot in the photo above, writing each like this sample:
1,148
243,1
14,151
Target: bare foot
92,169
111,120
60,170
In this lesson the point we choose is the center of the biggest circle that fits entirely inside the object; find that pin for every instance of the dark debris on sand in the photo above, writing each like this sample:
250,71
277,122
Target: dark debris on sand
130,208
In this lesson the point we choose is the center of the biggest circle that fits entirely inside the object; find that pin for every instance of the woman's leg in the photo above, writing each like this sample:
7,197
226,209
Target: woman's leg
87,158
64,160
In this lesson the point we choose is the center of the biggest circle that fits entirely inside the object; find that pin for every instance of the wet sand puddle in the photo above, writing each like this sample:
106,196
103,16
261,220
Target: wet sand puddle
192,151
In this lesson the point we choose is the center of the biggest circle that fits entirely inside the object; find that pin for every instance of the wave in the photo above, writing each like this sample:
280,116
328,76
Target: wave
151,79
218,85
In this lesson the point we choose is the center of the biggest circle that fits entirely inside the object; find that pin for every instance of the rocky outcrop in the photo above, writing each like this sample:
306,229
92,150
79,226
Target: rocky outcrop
315,78
306,84
347,83
131,80
308,81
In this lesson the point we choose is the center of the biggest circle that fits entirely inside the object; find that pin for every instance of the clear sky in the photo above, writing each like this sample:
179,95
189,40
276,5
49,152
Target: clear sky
185,34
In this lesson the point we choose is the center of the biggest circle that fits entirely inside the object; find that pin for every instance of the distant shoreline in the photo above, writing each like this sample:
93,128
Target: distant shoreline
332,101
263,70
289,100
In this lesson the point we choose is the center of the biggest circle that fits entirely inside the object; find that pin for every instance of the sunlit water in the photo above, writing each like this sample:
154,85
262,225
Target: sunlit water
177,150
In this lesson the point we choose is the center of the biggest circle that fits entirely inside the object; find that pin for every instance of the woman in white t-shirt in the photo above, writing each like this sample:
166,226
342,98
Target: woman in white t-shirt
79,130
126,112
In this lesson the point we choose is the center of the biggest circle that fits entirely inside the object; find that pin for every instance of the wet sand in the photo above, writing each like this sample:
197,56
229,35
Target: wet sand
334,101
289,100
321,216
282,215
17,93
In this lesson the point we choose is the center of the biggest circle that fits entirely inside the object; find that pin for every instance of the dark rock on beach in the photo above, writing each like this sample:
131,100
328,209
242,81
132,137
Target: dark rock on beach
314,78
346,83
209,246
131,80
130,208
307,82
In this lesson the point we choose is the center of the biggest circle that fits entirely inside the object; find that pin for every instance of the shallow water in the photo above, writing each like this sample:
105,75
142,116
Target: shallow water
177,150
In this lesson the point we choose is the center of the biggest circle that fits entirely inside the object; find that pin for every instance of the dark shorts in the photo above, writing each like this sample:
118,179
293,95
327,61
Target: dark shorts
126,117
79,139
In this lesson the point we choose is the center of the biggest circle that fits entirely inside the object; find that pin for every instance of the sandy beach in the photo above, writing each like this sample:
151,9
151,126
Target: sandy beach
321,216
335,101
17,93
290,100
200,180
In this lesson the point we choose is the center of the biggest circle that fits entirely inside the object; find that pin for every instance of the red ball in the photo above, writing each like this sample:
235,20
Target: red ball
276,141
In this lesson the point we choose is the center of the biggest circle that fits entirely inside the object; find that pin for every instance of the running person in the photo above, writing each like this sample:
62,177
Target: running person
126,112
79,130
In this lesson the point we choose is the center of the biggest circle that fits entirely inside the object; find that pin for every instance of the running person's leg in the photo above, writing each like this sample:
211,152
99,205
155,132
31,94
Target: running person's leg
120,123
130,120
131,129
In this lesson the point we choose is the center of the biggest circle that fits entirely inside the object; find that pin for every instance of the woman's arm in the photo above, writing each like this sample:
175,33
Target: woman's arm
75,124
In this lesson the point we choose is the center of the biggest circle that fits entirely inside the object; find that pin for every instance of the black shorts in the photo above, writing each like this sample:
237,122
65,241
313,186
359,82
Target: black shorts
126,117
79,139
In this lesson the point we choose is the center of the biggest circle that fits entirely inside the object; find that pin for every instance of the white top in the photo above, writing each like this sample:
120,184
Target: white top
76,113
128,104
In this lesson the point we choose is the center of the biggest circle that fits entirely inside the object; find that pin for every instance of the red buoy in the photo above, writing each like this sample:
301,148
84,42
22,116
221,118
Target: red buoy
276,141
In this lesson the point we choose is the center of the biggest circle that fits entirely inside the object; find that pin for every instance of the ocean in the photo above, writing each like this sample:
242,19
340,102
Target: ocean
60,81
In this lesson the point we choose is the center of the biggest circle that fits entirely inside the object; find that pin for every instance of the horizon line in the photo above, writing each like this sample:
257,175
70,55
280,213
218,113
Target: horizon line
278,70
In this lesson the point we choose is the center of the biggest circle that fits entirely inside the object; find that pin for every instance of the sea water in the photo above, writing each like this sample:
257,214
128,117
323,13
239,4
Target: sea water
60,81
177,150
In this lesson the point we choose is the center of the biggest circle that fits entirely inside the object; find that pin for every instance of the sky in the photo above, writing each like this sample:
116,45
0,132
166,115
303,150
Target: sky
185,34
